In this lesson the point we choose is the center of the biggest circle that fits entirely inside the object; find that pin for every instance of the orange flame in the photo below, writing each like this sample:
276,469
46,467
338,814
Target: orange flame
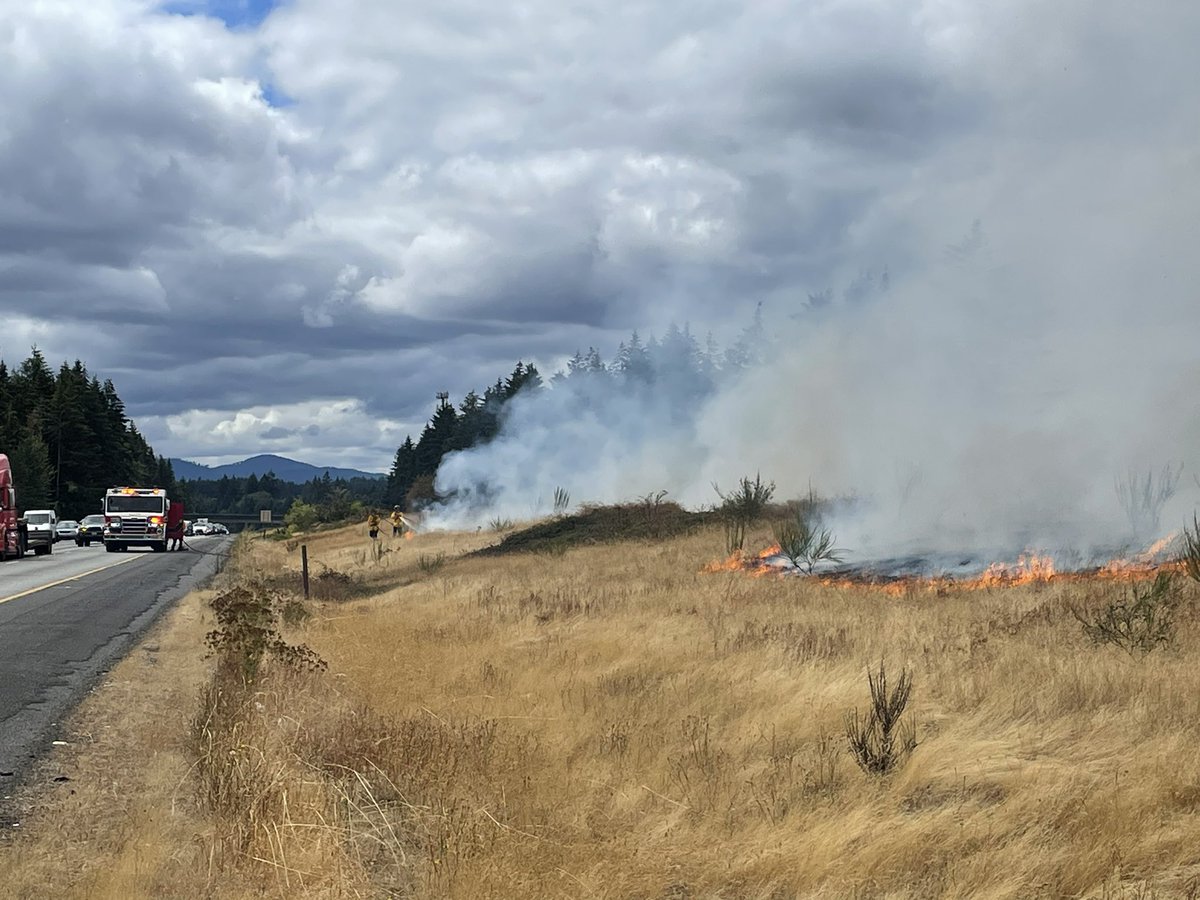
1029,568
738,561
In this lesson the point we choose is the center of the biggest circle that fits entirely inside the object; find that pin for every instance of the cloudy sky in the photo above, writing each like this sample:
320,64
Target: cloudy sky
282,227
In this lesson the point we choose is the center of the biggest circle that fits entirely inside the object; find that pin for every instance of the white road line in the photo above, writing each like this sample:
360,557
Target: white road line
65,580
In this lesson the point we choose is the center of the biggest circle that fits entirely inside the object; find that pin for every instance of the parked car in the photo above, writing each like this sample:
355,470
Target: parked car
218,528
66,530
90,529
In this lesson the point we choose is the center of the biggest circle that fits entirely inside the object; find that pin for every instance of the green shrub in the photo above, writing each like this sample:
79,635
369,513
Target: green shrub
741,507
803,545
1142,619
301,516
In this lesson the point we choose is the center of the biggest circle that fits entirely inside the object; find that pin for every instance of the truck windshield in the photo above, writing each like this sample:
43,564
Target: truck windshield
132,503
37,518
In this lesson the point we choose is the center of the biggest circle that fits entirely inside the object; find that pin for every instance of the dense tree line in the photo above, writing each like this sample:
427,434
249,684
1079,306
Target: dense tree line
331,499
68,438
677,366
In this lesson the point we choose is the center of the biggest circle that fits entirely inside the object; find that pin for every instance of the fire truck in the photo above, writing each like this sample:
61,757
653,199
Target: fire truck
13,536
135,517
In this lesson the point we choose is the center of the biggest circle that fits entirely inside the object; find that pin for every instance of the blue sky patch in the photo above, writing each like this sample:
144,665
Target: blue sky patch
274,96
236,14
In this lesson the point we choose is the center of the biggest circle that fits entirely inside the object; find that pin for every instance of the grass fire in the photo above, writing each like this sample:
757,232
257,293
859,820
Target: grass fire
584,707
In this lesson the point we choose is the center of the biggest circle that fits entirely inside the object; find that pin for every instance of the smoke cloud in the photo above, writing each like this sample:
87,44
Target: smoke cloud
1037,339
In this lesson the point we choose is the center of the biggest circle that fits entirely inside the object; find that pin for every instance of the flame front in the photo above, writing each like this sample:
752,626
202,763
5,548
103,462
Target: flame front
1030,568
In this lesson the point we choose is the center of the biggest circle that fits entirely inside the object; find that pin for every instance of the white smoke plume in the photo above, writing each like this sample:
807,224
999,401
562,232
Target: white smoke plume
1014,368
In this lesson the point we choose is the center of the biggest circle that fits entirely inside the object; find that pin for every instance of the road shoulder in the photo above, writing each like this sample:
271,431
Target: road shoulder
103,814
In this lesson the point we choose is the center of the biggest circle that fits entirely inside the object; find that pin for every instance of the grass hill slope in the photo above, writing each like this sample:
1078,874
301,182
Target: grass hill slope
605,721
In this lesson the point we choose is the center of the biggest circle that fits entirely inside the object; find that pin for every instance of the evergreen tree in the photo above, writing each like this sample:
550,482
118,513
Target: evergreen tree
33,387
436,439
402,474
71,439
633,362
494,399
747,350
523,378
473,422
32,472
8,419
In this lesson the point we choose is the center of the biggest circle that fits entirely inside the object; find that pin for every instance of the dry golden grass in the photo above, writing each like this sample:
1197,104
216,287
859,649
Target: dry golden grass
611,723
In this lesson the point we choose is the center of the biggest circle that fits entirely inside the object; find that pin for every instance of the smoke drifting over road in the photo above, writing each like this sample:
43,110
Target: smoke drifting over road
1037,340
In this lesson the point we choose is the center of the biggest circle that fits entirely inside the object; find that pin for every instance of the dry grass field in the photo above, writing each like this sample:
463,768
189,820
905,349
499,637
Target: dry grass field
610,722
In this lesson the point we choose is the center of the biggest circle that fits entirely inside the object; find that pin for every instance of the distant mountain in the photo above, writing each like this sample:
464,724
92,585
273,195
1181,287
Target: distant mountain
285,469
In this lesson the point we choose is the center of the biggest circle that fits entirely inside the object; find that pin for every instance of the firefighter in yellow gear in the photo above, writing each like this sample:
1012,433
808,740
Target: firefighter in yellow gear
373,524
397,520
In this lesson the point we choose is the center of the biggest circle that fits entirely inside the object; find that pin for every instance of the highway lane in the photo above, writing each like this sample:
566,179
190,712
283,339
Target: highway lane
66,561
63,625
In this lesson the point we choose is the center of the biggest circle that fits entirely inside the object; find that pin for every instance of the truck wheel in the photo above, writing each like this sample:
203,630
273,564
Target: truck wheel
41,550
111,548
159,546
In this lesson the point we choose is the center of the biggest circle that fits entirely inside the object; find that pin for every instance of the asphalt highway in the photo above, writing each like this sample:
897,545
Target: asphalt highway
66,618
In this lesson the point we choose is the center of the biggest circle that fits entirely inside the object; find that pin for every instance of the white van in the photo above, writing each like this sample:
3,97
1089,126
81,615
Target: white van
42,525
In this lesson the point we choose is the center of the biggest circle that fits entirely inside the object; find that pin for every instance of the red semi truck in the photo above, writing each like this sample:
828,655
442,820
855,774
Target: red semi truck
13,536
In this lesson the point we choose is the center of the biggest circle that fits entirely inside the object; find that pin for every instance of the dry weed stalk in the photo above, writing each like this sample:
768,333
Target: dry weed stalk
1191,549
1143,496
879,740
